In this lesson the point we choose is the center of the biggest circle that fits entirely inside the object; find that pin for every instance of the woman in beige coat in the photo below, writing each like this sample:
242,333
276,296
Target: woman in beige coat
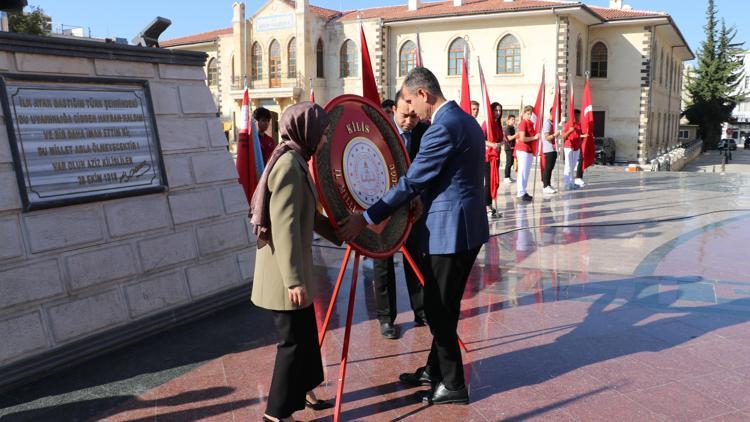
283,214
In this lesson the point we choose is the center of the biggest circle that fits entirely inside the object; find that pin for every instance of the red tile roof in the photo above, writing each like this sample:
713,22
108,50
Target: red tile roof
196,38
437,9
475,7
620,14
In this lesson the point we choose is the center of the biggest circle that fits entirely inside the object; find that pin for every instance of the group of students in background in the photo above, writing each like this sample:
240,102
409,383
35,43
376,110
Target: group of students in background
519,143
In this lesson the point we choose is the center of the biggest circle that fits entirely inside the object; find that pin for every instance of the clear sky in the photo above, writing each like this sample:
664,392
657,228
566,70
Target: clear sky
126,18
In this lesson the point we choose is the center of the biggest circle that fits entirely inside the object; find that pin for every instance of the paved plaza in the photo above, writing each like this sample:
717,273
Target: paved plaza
626,300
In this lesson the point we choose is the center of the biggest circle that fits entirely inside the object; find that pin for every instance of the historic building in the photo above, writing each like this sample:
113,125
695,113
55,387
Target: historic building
635,58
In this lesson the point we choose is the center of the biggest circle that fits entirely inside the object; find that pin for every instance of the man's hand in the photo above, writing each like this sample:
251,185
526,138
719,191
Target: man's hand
351,226
417,208
297,295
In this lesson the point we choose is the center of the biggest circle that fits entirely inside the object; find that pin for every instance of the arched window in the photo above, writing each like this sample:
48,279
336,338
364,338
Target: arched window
212,73
579,58
348,59
456,56
319,59
407,58
274,64
599,60
256,62
291,58
509,55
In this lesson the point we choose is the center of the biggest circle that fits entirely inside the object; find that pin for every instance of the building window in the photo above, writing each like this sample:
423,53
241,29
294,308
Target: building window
747,82
599,60
212,73
291,58
274,64
599,120
683,134
509,55
348,59
456,57
319,59
579,59
256,60
407,58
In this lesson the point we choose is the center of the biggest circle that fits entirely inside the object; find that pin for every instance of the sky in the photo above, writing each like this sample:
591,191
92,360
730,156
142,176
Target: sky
125,19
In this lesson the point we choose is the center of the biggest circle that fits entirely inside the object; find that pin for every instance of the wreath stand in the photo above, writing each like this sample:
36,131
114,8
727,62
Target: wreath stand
349,314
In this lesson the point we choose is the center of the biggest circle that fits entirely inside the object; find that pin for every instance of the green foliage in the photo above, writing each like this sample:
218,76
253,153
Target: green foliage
34,22
714,86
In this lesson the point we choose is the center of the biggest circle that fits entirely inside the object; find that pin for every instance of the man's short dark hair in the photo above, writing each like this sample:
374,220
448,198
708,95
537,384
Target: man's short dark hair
577,111
261,113
510,116
476,103
421,77
399,96
387,103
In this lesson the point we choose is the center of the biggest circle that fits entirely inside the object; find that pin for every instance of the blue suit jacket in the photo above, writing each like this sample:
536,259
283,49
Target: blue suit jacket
448,172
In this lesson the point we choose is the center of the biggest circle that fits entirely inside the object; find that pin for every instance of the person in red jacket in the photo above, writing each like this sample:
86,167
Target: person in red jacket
267,144
525,145
573,136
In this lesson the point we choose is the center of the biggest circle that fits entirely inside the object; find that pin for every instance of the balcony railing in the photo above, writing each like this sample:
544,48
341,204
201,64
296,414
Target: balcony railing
238,83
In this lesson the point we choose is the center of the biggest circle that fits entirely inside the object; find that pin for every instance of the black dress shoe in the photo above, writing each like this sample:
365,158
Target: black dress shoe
319,405
388,330
418,378
527,198
442,395
420,320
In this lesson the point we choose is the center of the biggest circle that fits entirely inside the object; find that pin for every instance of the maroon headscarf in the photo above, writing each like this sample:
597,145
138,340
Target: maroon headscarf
302,127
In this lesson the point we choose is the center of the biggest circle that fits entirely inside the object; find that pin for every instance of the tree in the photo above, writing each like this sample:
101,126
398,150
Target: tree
714,86
34,22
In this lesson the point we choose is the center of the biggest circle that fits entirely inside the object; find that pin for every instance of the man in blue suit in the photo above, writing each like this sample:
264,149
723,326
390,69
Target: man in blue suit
448,175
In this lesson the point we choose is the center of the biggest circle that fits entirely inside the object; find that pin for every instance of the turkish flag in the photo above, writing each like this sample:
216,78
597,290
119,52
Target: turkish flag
369,87
246,168
465,90
588,149
492,155
537,116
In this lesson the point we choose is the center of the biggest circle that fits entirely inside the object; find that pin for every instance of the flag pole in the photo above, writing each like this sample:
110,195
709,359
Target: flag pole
539,140
558,114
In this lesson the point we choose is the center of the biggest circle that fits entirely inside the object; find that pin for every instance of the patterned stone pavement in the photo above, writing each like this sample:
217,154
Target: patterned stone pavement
626,300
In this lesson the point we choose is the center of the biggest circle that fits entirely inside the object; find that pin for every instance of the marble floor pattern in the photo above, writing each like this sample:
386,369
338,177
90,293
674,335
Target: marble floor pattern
626,300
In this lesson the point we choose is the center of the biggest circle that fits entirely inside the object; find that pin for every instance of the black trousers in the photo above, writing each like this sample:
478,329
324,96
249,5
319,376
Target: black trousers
487,169
508,162
549,164
298,368
445,281
385,282
579,169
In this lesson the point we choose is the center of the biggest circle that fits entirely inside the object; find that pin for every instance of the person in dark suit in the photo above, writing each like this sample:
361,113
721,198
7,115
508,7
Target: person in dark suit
410,130
446,176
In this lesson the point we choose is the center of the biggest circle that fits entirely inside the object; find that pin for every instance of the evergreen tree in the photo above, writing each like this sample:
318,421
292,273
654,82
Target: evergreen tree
714,85
34,22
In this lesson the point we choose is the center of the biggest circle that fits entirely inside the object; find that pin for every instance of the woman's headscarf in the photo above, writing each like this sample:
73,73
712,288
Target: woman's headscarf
302,127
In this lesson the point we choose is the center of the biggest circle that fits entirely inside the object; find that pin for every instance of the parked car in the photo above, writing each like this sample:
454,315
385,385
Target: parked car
747,143
732,145
605,150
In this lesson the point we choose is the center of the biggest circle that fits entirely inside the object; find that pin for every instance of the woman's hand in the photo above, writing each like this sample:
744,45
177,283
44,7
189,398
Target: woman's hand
297,295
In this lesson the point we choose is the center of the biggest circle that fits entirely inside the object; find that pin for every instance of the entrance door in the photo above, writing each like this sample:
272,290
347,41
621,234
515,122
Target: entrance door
274,64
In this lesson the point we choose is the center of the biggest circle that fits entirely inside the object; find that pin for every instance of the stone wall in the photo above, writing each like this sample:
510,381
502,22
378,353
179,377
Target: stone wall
73,272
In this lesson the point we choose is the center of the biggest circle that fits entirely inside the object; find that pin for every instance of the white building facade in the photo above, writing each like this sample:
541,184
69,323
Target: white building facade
634,58
739,126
